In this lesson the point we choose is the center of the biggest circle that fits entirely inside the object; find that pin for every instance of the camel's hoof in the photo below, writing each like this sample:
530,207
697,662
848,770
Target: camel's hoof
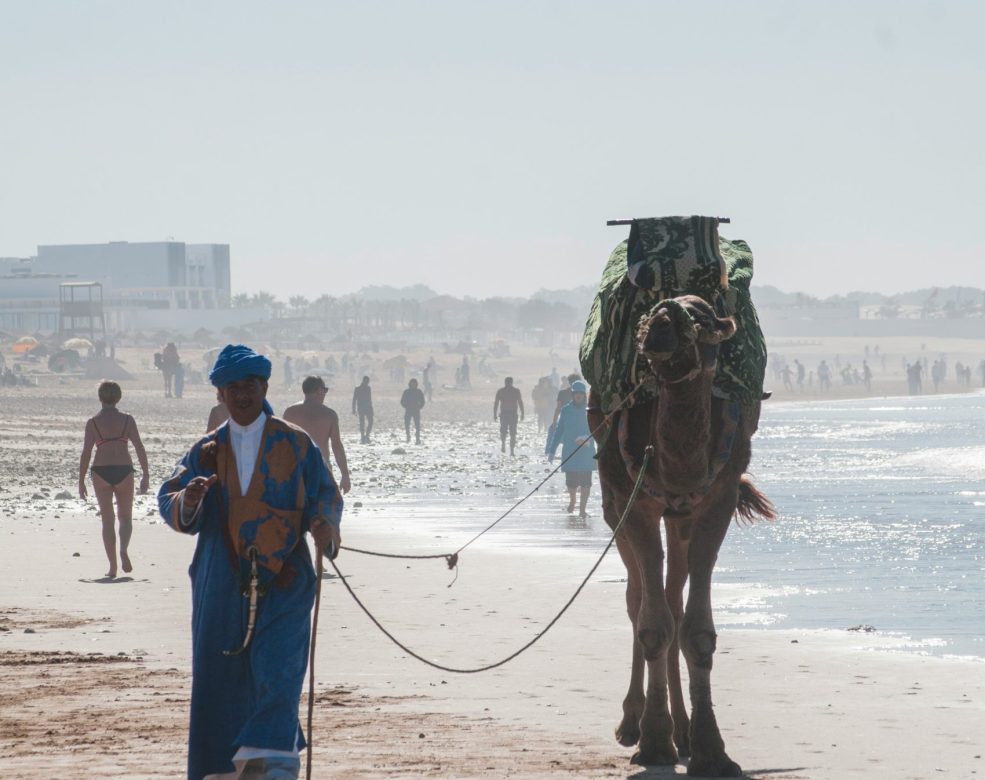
628,732
655,757
723,766
683,742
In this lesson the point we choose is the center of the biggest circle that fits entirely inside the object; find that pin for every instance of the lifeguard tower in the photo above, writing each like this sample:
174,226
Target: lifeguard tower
80,310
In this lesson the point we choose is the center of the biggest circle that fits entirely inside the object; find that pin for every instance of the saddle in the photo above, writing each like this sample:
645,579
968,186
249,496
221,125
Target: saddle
663,258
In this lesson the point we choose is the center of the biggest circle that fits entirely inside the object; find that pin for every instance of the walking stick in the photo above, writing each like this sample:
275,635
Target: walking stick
319,569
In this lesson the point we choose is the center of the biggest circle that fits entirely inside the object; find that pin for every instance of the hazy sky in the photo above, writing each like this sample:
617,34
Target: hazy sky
480,147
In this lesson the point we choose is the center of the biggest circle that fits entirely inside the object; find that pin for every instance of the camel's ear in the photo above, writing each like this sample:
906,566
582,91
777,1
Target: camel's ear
714,330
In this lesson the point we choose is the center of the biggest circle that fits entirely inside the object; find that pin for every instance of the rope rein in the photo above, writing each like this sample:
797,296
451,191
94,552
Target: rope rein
452,558
629,504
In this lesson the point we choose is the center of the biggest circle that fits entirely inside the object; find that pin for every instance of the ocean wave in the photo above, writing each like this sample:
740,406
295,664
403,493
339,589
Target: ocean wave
968,462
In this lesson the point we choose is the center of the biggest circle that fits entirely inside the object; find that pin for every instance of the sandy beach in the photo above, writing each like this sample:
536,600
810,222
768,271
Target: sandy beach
95,674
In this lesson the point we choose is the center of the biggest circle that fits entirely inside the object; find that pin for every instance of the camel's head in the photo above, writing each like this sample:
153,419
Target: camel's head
680,337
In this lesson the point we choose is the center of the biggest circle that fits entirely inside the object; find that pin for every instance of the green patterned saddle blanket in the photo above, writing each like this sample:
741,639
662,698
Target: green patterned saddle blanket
663,258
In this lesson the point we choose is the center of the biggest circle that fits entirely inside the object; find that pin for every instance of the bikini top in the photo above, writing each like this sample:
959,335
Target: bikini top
122,437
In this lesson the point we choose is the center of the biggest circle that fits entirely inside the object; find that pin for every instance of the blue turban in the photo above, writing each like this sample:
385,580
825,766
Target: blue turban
579,387
237,362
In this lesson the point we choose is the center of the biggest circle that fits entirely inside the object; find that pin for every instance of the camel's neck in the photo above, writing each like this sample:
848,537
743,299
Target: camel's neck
682,432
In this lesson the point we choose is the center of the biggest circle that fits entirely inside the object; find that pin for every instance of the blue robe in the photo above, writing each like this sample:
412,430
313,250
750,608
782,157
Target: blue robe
250,699
572,424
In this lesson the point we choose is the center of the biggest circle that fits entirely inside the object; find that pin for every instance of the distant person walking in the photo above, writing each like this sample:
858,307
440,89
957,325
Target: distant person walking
169,365
564,395
543,396
288,372
362,404
571,432
426,380
787,373
914,377
465,374
412,401
824,376
507,405
179,380
110,432
432,373
321,423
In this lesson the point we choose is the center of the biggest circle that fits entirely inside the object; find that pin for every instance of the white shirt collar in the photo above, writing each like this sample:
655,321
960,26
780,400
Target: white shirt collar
253,427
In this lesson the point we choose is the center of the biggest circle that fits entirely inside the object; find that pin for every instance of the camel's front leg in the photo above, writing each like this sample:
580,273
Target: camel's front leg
628,730
698,640
677,551
654,633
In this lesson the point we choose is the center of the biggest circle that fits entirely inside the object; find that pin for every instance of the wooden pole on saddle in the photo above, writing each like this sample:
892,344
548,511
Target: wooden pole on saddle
611,222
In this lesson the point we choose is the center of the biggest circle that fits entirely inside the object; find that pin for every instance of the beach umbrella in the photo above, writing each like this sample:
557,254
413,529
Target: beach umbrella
78,344
25,344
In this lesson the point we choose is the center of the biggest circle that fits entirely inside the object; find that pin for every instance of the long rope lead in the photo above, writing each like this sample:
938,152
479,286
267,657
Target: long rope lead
629,504
452,558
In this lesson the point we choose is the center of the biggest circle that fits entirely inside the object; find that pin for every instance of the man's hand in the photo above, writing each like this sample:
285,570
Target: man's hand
345,485
327,540
196,489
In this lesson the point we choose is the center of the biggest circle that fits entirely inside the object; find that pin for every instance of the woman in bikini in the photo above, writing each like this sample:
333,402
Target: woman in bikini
109,432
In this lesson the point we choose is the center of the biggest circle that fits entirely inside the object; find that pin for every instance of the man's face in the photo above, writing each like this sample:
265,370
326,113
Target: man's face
244,399
579,399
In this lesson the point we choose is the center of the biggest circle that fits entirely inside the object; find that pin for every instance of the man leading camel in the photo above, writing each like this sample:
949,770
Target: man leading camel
249,491
321,423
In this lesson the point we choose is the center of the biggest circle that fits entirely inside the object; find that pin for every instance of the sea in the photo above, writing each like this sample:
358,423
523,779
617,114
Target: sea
881,526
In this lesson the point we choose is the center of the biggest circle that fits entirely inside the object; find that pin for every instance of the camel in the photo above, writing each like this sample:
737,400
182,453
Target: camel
696,491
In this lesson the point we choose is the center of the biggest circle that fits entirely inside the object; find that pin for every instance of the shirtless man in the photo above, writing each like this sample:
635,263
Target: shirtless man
321,424
507,404
217,415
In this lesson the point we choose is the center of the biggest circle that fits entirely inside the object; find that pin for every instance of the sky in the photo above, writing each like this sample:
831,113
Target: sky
479,147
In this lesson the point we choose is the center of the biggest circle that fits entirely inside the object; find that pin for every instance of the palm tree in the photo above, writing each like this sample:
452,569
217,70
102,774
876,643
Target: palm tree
240,300
298,303
263,298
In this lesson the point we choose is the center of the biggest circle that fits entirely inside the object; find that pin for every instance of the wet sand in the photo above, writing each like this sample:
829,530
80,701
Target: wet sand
95,674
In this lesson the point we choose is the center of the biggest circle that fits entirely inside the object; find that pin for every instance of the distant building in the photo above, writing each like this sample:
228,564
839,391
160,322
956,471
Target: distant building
137,279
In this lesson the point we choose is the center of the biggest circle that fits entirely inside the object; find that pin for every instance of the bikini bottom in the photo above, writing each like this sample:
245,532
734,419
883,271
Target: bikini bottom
112,474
